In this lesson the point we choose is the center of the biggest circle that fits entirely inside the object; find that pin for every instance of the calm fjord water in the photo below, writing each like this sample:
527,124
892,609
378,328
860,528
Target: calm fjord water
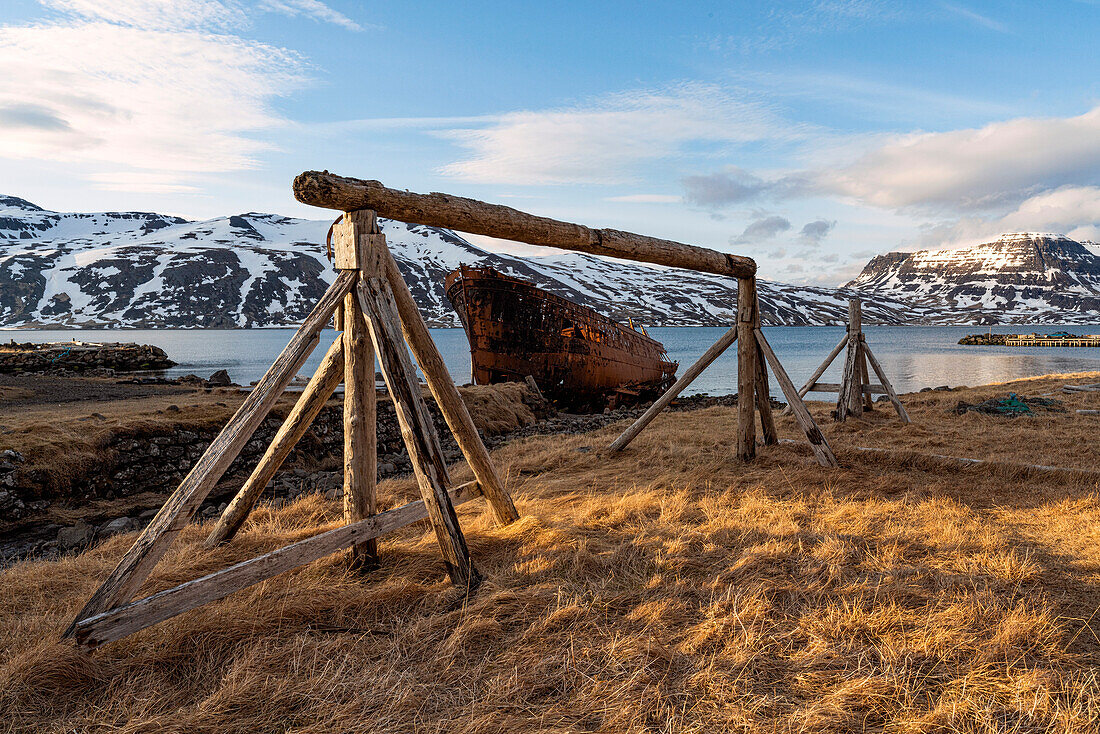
914,356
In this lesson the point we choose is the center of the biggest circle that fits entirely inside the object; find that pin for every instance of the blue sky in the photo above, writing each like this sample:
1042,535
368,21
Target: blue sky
807,135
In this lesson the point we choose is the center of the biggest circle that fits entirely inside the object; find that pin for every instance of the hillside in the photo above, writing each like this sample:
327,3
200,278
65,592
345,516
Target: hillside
134,269
1021,277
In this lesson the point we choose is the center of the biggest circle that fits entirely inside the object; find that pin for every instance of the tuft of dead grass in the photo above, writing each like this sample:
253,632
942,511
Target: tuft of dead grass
667,588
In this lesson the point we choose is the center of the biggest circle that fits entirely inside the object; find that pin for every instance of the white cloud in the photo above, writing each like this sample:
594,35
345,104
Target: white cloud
605,141
993,166
1070,210
310,9
161,14
110,90
646,199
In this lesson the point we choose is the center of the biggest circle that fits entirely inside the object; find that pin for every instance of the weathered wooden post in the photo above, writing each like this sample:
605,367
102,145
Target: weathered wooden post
351,250
747,363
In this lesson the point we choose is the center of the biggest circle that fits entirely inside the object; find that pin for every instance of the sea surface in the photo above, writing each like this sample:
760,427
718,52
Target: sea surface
913,356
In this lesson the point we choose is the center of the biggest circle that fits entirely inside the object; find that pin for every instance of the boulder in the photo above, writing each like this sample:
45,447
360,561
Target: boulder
219,379
117,526
76,537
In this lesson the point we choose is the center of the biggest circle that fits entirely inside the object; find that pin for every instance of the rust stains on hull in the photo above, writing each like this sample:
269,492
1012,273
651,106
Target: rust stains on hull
516,329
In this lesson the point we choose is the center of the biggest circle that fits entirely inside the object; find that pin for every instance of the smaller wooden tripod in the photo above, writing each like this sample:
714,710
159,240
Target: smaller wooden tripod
855,389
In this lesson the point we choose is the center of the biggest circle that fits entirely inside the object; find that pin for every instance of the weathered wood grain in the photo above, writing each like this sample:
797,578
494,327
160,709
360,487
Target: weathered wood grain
412,417
835,387
174,515
309,405
360,429
321,188
746,368
805,421
125,620
450,403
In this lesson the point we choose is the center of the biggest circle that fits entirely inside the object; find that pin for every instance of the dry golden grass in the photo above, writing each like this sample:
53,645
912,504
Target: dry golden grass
667,588
63,442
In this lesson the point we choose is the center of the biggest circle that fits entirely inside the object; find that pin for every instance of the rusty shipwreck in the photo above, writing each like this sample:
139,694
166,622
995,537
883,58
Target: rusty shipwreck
575,354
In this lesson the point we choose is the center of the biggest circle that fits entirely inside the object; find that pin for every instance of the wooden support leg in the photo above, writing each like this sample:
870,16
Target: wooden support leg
174,515
360,422
446,395
817,440
819,371
309,405
893,396
763,394
426,458
865,379
850,399
686,379
746,368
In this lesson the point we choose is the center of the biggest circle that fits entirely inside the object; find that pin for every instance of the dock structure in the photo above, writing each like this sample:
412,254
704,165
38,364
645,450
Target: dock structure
1052,340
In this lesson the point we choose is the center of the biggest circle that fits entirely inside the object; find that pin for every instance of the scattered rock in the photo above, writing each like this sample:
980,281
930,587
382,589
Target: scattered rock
75,537
117,526
219,379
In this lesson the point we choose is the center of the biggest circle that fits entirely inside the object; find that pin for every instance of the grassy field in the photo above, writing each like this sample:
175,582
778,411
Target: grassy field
664,589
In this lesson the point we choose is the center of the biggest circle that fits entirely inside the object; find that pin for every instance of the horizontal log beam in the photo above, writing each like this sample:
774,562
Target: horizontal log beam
323,189
130,618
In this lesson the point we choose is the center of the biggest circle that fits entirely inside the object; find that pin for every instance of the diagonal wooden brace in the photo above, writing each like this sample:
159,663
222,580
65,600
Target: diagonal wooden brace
177,511
415,422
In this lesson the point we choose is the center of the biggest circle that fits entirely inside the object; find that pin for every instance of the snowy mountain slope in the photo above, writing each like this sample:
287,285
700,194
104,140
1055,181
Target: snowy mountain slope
1020,277
138,269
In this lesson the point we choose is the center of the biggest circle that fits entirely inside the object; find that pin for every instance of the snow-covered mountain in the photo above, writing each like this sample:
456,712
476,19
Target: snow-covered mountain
1018,278
137,269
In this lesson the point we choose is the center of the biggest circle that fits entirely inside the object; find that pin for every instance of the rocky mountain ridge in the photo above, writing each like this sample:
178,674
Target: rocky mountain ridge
1018,278
251,270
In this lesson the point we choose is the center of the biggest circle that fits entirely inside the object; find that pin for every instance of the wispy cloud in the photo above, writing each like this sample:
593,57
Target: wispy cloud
313,9
813,232
140,86
646,199
158,14
976,18
605,140
762,229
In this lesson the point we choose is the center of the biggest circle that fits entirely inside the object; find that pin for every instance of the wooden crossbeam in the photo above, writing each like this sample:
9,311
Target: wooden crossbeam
125,620
321,188
177,511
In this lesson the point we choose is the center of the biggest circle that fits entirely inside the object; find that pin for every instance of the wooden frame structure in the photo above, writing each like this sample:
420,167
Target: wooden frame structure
376,313
754,356
377,317
854,390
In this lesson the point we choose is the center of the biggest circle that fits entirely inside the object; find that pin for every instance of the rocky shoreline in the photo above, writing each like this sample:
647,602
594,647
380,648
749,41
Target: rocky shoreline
81,357
151,468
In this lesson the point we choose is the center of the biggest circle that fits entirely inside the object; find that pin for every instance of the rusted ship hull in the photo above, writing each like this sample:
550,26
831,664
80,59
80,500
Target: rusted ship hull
516,329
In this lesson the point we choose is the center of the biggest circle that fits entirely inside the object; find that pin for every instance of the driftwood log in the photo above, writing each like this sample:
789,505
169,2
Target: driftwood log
323,189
